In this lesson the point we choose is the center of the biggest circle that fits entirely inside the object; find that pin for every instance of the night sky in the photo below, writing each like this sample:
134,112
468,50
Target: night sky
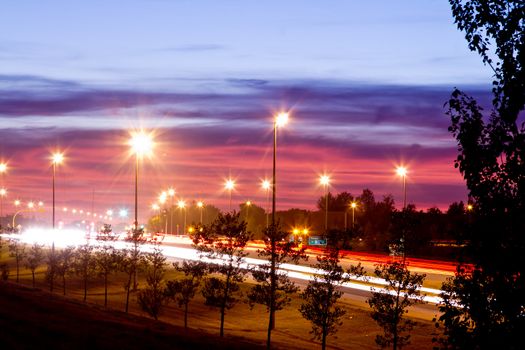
364,82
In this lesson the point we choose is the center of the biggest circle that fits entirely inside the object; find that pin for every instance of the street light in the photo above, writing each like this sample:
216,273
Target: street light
56,159
3,193
324,180
230,185
171,193
265,184
200,205
182,205
402,171
141,145
280,121
353,205
162,200
248,205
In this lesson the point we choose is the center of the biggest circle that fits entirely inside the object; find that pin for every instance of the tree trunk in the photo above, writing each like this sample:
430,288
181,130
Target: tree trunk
127,290
64,284
106,290
33,273
186,315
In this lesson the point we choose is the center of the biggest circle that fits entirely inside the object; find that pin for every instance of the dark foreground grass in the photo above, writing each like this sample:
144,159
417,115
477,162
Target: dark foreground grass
34,319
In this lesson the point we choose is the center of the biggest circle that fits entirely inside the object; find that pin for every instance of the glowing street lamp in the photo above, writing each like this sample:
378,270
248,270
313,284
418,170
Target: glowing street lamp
230,185
280,121
200,205
141,145
171,193
57,158
265,184
402,172
162,200
3,168
353,205
324,180
248,204
3,193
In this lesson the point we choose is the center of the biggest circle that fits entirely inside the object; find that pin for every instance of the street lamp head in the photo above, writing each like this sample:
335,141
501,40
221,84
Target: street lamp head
123,213
57,158
30,205
353,205
281,119
154,206
305,231
324,180
3,168
200,204
162,198
248,203
470,207
229,185
401,171
40,204
295,231
141,143
109,212
171,192
181,204
266,185
3,192
17,203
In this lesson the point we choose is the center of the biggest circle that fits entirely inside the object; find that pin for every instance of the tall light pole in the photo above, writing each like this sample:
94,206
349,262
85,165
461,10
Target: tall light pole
162,200
56,159
156,208
171,193
402,171
200,205
280,121
230,185
141,145
324,180
3,191
265,184
248,205
182,205
353,205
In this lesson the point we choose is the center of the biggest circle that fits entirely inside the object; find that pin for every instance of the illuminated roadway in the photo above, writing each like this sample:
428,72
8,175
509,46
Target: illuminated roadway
355,292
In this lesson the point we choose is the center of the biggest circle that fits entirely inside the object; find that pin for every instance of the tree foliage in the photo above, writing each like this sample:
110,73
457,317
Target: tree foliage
273,288
151,299
34,259
322,293
17,250
484,308
224,241
390,303
183,290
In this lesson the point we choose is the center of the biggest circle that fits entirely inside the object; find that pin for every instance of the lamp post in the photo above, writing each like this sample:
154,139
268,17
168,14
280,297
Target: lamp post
248,205
353,205
266,186
230,185
162,200
280,121
182,205
324,180
156,208
56,159
200,205
3,193
171,193
141,145
402,171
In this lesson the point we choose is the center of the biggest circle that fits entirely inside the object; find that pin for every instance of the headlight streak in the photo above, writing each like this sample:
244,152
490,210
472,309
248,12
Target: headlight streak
71,237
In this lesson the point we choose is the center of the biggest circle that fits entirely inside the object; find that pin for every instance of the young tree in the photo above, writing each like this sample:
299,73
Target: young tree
224,241
34,258
183,290
274,287
484,306
107,261
17,250
65,264
85,265
322,293
151,298
390,303
52,260
129,261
